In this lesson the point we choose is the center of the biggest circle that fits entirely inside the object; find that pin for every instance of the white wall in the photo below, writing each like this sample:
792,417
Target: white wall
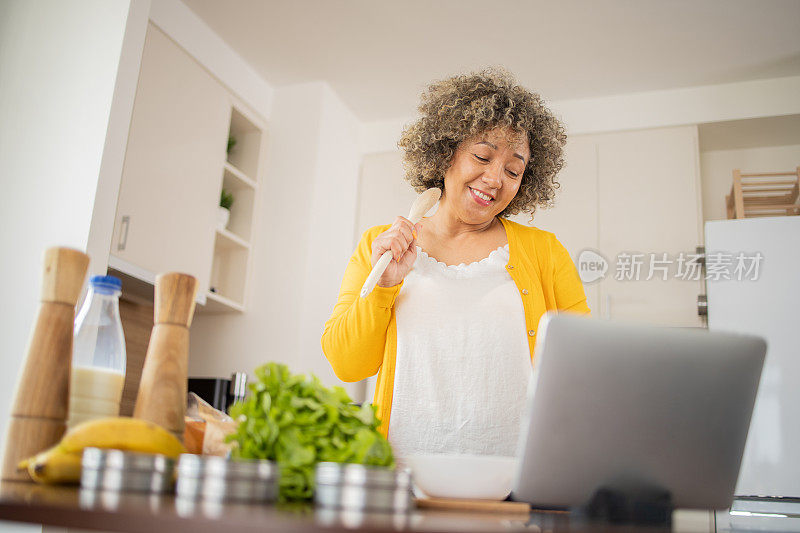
59,68
382,177
676,107
716,170
650,109
58,71
330,230
302,243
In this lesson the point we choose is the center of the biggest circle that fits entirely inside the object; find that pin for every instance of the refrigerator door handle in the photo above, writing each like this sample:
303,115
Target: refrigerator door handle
702,305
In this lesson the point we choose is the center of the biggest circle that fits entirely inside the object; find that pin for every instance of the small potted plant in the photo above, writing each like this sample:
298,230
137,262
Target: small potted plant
224,211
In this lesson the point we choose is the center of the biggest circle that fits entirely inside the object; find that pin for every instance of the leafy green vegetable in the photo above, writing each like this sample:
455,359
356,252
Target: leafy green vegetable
298,422
225,199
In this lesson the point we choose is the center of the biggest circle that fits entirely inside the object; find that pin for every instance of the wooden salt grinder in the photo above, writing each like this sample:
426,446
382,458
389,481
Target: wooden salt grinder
39,410
162,392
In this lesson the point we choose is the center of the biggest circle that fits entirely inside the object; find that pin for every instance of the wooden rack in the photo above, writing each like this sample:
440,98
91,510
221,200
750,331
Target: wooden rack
764,194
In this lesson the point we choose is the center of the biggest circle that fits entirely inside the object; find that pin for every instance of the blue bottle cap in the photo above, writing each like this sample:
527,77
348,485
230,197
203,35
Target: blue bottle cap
106,284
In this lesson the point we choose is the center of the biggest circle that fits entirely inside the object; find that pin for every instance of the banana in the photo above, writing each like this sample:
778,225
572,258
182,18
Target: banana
54,466
122,433
62,462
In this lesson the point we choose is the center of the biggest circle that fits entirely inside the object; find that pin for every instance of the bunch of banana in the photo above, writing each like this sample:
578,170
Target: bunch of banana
62,462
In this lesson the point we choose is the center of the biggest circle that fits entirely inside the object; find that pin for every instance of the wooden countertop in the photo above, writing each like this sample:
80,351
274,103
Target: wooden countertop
137,513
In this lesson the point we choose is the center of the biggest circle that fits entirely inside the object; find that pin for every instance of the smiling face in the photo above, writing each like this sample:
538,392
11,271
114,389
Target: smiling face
485,175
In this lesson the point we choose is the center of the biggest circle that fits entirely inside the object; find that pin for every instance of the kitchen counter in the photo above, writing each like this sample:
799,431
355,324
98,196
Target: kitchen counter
136,513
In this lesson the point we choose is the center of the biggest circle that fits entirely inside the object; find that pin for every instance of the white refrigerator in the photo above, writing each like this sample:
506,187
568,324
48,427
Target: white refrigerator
753,286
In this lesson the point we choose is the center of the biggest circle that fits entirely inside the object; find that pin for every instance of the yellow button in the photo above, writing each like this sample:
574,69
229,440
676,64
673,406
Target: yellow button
524,291
531,332
510,267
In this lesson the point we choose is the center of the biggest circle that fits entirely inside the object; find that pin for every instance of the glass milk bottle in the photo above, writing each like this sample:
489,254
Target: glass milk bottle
98,360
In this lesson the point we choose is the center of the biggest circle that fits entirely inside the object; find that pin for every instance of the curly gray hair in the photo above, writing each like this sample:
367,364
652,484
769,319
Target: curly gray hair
462,107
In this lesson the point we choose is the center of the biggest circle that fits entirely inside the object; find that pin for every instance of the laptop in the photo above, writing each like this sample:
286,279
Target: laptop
622,405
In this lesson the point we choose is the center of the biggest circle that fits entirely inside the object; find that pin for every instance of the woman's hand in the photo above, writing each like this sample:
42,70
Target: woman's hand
401,241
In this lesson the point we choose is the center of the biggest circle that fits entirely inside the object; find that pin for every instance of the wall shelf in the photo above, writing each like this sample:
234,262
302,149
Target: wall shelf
227,239
245,153
243,190
231,264
239,175
181,158
216,303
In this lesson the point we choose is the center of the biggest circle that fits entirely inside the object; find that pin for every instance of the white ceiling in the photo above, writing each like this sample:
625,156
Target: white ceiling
379,54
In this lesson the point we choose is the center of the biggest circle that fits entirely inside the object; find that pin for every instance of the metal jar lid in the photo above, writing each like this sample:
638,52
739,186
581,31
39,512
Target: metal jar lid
361,475
218,479
116,470
98,458
219,467
363,498
362,488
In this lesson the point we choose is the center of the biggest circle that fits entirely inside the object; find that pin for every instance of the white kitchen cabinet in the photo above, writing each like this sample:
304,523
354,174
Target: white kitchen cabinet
633,192
649,198
167,208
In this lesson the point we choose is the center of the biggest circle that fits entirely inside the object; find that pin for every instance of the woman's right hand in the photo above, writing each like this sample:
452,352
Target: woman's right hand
401,241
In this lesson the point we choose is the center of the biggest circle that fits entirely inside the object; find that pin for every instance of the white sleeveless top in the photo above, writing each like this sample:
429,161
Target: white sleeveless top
463,362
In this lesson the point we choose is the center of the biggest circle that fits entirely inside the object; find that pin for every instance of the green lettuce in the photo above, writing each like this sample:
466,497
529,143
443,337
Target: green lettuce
298,422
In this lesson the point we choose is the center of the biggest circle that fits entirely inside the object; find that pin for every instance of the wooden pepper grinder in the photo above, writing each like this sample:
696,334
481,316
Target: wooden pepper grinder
162,392
39,412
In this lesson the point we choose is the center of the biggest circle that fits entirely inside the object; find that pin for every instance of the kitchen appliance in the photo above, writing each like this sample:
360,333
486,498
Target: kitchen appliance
220,393
639,413
765,306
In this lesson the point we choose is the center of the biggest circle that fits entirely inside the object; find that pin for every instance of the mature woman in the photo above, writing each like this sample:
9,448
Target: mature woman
450,328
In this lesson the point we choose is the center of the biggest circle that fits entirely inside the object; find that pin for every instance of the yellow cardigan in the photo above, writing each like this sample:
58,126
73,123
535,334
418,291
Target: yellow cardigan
360,338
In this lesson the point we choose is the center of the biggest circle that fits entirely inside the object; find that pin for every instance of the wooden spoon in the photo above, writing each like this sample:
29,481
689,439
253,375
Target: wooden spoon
421,205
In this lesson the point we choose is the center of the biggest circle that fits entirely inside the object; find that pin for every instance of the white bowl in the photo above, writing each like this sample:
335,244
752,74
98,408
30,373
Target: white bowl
485,477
